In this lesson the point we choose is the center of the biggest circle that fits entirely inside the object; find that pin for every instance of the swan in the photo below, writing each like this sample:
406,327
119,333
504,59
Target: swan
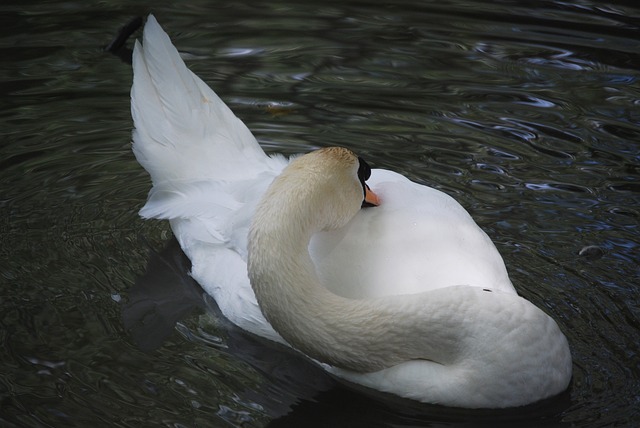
409,296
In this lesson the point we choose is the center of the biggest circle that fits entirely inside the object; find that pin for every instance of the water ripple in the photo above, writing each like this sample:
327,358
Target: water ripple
526,113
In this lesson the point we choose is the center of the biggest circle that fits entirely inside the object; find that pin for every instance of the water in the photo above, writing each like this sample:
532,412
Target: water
526,112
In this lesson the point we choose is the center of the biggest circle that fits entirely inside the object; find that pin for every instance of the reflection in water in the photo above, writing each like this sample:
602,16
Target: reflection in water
166,294
160,298
526,112
118,45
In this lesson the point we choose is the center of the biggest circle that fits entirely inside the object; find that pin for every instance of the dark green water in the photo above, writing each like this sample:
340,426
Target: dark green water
527,112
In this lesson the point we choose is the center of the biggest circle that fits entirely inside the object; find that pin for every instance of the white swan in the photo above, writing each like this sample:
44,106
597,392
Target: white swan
410,297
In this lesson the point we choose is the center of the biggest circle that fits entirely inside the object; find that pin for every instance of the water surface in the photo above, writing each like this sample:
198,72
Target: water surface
526,112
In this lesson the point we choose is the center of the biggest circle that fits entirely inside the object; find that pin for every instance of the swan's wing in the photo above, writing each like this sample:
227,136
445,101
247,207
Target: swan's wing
208,172
418,239
201,157
183,130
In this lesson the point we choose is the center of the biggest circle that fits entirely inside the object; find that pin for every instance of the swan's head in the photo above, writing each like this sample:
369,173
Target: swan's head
328,187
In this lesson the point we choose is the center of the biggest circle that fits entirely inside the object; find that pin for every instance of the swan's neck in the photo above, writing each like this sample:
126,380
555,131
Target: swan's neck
361,335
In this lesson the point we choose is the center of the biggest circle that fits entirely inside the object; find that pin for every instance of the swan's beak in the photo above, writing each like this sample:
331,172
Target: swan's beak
370,198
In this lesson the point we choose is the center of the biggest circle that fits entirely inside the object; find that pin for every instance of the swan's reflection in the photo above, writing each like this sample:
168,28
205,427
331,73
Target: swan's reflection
166,294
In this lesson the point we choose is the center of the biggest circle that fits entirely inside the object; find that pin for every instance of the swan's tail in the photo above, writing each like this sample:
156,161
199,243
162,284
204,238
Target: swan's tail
184,133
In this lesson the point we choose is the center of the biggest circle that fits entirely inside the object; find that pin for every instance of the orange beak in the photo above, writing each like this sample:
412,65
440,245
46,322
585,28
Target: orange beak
370,197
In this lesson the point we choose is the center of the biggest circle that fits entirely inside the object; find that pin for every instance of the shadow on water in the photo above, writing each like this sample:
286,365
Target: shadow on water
296,392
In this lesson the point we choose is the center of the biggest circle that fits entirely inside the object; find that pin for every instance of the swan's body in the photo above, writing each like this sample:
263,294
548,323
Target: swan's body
341,295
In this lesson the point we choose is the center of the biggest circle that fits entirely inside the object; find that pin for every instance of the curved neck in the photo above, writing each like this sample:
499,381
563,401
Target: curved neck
361,335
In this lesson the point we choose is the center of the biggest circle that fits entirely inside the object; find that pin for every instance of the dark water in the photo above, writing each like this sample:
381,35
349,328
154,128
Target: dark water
527,112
